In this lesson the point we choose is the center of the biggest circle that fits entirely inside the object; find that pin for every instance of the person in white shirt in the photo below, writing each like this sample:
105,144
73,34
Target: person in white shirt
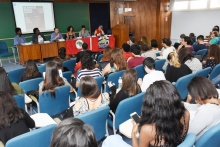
151,76
206,113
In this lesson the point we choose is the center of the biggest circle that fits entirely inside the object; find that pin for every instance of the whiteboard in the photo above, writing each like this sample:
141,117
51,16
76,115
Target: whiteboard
197,22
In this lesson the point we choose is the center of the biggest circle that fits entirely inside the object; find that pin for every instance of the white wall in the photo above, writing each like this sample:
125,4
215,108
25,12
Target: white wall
197,22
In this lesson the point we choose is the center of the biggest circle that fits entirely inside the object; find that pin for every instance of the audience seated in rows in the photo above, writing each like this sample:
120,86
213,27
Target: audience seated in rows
129,88
207,110
176,70
186,43
154,45
186,57
214,38
137,59
14,121
106,58
151,76
200,44
30,72
146,51
131,40
91,98
6,85
117,63
126,51
73,132
144,40
52,79
213,56
193,38
84,49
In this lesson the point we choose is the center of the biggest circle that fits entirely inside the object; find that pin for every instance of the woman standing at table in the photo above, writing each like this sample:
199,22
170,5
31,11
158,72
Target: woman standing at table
99,31
70,34
14,121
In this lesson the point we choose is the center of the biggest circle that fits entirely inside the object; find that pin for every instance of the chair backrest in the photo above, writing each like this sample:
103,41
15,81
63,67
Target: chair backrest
181,85
70,64
159,64
188,141
114,78
67,75
37,138
54,105
41,68
97,119
215,72
202,53
15,75
19,99
140,71
204,72
3,47
210,138
128,106
99,57
29,85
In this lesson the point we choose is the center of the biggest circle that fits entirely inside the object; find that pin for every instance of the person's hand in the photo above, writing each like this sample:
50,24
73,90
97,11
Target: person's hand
110,84
135,132
140,81
203,62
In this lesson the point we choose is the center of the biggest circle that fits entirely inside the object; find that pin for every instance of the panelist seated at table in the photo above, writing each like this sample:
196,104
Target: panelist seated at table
37,37
70,34
84,33
19,38
56,35
99,31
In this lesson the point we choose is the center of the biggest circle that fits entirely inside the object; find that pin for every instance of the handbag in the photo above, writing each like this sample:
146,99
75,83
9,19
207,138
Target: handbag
65,114
33,93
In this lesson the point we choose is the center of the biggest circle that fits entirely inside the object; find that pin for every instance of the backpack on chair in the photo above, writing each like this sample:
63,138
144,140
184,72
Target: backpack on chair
62,53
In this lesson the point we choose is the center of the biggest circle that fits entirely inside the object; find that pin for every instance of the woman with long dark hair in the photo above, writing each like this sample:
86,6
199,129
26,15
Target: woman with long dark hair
164,120
129,88
30,72
52,79
14,121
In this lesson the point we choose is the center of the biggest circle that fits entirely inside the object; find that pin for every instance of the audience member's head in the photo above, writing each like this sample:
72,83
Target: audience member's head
135,49
215,28
73,132
118,59
87,62
214,52
201,88
31,69
89,87
214,34
149,64
84,46
145,48
182,35
5,84
126,47
200,39
154,43
184,55
70,29
132,40
192,35
176,45
18,31
186,41
129,81
9,111
166,42
36,31
173,59
144,39
163,108
107,54
59,63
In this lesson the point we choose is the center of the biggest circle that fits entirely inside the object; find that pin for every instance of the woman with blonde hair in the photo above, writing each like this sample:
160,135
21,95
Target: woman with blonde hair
144,40
176,70
117,62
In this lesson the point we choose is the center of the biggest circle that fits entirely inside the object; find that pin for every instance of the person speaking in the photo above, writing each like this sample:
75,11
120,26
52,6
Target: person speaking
56,35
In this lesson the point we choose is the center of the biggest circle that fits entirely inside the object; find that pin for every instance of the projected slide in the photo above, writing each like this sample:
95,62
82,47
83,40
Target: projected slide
31,15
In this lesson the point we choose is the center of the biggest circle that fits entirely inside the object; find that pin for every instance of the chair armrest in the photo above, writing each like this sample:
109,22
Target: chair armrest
57,120
34,99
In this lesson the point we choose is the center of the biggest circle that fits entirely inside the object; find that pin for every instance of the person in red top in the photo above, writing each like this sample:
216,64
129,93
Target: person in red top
99,31
137,59
126,51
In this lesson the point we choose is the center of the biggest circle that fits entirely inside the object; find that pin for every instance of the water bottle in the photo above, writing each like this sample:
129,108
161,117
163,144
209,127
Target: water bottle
119,83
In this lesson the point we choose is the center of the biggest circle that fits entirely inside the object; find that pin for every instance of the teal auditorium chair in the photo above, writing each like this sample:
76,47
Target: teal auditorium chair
99,58
202,53
124,109
29,85
204,72
15,75
182,84
37,138
215,72
140,71
67,75
41,68
53,105
159,64
70,64
188,141
19,99
98,120
4,52
113,77
210,138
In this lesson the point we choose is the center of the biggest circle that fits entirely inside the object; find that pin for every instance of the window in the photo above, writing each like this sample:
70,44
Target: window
215,4
198,4
181,5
